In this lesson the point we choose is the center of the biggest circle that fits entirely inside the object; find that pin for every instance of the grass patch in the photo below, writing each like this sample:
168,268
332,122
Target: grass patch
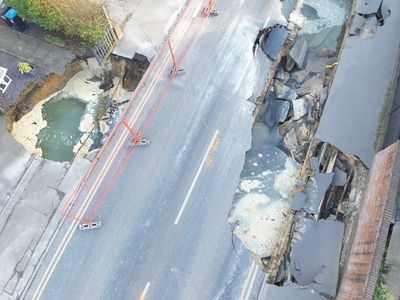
55,40
381,290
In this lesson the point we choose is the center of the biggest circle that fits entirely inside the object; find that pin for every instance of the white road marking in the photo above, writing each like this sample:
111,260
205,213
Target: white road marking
88,199
91,193
146,288
196,11
249,282
196,177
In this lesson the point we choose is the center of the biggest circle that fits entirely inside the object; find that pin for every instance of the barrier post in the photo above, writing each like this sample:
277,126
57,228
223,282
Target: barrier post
175,68
136,137
210,9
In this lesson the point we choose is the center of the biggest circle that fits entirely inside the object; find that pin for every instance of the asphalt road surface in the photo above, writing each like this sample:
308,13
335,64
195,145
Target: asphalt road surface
165,233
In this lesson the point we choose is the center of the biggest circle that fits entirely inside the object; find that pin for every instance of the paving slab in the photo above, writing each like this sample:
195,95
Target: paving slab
145,24
31,190
24,46
13,163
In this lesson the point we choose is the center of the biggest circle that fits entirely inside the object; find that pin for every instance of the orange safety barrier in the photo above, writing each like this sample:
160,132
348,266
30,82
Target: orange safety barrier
73,208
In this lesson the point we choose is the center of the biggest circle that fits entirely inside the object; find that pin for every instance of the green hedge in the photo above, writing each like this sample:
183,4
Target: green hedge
72,17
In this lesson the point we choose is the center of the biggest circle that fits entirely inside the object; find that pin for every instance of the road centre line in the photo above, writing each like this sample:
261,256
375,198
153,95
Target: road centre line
196,177
60,250
146,288
125,133
86,204
149,90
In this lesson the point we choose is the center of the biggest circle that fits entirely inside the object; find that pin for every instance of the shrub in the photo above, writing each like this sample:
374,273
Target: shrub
24,67
73,17
381,290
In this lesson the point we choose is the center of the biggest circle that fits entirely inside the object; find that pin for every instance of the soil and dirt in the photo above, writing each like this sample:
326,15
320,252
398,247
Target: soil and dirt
37,91
104,83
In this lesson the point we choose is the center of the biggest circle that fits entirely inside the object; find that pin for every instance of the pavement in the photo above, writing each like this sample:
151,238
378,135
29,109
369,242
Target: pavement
145,24
393,260
365,61
164,207
47,56
31,189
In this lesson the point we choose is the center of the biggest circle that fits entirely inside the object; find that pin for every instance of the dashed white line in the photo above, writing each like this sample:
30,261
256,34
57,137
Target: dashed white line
133,119
146,288
196,177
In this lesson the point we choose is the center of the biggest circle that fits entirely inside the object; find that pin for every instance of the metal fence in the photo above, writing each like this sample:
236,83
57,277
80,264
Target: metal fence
105,46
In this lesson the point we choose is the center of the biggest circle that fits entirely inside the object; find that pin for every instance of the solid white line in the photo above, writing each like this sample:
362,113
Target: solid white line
88,199
146,288
248,284
252,282
196,12
196,177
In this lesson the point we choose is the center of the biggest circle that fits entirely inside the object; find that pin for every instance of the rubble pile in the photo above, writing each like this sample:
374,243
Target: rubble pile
310,248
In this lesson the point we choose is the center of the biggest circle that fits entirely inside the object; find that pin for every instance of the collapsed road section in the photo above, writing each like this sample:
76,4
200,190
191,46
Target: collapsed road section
297,204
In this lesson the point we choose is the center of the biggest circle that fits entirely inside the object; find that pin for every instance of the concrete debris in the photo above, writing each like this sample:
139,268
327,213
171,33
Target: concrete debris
280,74
368,7
317,64
299,53
281,110
314,164
312,86
298,201
288,291
269,114
290,141
310,112
276,110
324,95
340,177
300,108
322,182
299,76
134,71
315,259
284,92
300,227
275,41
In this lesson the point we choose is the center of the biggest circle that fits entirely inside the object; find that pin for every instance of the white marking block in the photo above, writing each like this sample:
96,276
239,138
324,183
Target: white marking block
92,225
